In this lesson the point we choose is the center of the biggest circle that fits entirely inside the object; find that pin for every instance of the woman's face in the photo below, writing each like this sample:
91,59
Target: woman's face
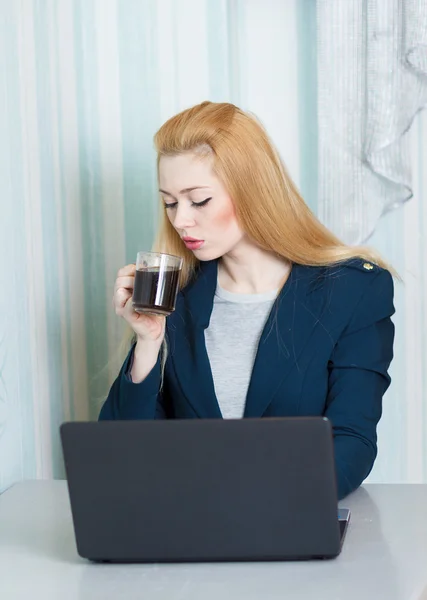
198,206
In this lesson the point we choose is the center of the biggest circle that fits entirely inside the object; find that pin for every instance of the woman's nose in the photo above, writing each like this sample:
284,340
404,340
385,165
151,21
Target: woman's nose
183,217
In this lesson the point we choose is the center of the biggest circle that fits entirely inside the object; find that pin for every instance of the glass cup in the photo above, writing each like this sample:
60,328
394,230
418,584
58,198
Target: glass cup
156,283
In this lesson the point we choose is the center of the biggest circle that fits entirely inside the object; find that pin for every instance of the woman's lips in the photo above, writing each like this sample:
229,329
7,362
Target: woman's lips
193,244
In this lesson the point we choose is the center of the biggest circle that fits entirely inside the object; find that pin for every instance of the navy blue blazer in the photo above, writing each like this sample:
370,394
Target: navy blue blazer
325,350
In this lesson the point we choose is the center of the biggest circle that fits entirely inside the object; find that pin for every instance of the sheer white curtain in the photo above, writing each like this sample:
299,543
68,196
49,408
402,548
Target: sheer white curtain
372,81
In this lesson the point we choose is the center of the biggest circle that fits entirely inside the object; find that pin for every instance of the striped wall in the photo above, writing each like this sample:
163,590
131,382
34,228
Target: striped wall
84,84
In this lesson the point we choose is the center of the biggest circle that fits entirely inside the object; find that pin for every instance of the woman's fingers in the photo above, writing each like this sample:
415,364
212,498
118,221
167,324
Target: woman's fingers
120,299
126,271
124,282
123,287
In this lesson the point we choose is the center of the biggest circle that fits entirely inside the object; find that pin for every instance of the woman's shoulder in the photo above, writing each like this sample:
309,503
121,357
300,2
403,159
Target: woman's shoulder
358,271
358,275
357,264
361,285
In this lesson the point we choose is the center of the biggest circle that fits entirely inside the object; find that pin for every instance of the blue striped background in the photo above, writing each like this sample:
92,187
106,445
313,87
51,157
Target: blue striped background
77,172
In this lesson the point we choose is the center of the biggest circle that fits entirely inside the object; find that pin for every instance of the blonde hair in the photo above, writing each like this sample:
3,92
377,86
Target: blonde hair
268,206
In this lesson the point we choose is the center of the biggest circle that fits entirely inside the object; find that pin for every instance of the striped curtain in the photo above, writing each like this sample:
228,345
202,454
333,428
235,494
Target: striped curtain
84,86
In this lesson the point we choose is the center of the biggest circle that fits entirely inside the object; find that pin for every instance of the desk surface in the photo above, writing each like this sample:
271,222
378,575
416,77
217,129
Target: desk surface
384,556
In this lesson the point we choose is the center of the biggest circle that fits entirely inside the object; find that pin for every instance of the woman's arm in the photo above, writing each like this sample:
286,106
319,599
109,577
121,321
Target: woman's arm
358,379
128,400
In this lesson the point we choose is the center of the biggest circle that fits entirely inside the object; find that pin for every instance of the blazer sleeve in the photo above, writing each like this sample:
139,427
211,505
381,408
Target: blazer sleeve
358,379
128,401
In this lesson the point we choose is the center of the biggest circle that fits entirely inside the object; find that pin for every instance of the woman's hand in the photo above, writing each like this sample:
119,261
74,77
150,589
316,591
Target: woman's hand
148,328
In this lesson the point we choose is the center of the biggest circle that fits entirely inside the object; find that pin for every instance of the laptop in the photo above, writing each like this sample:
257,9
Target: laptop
203,490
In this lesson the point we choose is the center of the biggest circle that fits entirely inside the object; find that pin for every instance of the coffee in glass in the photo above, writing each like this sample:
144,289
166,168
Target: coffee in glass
156,283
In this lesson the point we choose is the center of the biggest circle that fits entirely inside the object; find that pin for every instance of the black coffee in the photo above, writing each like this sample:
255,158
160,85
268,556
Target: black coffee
155,291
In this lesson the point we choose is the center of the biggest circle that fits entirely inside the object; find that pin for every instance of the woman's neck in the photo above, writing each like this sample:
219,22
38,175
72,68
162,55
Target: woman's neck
249,269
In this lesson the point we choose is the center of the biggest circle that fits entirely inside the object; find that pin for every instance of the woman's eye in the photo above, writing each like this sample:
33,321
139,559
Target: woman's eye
203,203
172,205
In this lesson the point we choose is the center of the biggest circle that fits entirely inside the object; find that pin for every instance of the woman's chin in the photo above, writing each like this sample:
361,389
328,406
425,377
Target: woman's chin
205,255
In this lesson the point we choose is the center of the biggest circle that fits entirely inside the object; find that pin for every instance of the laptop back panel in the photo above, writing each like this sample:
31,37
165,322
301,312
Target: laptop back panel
202,490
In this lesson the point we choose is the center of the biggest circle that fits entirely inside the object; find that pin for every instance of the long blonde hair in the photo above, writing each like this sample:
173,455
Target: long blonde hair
268,205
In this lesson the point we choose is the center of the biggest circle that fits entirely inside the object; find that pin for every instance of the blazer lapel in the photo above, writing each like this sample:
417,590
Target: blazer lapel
187,336
292,320
291,323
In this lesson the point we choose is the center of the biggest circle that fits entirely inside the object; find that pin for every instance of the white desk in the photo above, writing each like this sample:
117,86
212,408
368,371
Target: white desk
384,557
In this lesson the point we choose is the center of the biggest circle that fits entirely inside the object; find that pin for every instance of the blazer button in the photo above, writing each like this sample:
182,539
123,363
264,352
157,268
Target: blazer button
368,266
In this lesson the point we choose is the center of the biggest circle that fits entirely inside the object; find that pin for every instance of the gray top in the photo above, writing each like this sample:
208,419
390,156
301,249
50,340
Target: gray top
232,338
384,556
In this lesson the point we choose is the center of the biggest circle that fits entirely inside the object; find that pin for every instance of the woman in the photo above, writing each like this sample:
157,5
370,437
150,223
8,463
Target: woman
275,316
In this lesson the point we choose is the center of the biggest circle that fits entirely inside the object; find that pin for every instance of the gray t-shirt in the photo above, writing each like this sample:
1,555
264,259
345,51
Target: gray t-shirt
232,338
